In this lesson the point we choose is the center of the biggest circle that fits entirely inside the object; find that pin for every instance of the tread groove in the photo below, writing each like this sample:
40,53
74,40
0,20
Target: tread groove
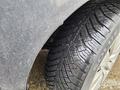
106,15
111,10
99,21
91,35
77,43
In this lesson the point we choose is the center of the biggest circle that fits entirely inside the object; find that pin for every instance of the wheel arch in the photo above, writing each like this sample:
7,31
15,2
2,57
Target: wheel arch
24,40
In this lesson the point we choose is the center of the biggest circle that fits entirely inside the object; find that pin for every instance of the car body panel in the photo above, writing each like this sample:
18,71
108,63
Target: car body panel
25,26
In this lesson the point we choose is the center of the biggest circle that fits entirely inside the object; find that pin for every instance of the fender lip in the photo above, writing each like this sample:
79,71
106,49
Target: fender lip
21,25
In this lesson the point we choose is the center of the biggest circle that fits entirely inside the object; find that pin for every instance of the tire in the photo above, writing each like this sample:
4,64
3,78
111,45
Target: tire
80,45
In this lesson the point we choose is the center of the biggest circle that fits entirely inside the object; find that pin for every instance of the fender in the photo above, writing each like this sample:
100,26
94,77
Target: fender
25,26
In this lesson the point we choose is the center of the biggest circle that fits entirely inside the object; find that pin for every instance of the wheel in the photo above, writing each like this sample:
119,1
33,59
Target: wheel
85,47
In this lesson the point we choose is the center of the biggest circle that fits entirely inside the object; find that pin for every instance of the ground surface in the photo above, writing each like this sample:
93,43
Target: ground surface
37,81
113,80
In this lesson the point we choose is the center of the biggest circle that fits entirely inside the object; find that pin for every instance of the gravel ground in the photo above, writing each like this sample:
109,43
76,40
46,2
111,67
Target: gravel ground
37,81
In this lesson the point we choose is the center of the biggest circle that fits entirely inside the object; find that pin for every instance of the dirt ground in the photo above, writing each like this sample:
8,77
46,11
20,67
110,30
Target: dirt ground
113,80
37,81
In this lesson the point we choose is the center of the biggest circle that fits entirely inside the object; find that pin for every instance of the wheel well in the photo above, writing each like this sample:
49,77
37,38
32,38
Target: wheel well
76,12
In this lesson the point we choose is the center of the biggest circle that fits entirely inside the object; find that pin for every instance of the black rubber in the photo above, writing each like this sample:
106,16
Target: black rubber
77,41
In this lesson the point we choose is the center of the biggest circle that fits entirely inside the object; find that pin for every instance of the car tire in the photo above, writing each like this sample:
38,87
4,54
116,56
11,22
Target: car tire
81,44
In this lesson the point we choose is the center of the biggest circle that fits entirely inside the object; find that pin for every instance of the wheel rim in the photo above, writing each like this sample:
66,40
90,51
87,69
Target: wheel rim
106,65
